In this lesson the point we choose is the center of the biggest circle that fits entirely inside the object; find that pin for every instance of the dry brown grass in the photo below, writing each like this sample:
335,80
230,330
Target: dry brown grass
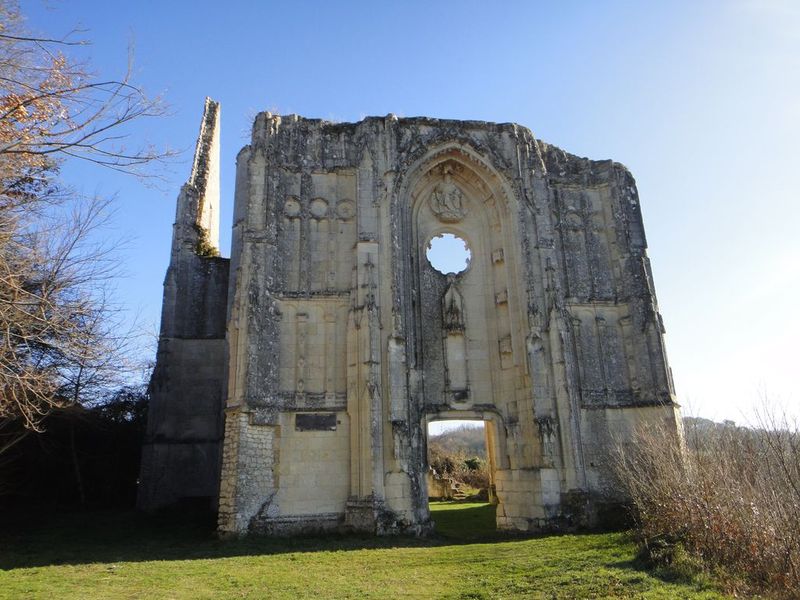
729,499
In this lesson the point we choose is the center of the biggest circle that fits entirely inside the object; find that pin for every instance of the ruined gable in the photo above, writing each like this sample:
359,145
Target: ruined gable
343,341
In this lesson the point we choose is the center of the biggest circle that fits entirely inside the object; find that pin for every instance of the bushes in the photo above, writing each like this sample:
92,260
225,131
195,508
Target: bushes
87,457
472,471
730,497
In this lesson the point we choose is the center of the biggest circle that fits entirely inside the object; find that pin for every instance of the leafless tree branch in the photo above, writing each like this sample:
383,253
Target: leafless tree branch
61,340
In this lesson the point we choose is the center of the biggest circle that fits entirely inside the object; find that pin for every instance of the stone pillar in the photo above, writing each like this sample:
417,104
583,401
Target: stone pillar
364,401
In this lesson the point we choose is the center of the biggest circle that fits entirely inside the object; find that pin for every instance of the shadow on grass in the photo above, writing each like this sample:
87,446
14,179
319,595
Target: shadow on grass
40,539
466,522
75,538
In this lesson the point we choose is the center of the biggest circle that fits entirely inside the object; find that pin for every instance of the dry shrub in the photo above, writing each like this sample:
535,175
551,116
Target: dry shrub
730,498
457,464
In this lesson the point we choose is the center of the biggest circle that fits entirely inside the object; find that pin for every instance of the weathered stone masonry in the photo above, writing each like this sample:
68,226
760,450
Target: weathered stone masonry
343,342
180,458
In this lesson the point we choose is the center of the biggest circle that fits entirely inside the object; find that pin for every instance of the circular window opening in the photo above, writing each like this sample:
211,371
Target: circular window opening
448,253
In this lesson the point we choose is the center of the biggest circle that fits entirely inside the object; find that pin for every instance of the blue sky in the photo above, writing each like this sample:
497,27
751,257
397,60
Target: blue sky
698,98
448,253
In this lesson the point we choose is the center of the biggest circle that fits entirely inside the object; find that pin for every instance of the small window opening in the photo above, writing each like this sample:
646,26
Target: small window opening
448,253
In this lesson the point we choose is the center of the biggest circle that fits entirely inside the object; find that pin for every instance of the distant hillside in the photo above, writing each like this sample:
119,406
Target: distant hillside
700,424
468,440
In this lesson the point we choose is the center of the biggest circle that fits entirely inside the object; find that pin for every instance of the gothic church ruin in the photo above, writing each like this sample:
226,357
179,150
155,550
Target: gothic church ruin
295,380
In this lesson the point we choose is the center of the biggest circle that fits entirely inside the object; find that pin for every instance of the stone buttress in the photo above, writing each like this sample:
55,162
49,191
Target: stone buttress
181,453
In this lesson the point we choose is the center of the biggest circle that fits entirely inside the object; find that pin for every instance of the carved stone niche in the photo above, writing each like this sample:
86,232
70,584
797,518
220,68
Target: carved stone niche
318,208
452,309
455,344
292,207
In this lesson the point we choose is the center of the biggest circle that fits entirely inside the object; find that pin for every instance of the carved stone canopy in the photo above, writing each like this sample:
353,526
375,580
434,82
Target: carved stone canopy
452,308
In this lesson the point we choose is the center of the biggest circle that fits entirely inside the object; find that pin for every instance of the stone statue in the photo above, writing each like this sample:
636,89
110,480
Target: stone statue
452,308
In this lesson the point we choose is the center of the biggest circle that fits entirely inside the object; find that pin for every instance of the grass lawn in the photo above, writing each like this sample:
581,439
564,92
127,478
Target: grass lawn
125,555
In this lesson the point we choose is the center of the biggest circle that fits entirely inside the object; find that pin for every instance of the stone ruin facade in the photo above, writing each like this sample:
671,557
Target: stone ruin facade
295,381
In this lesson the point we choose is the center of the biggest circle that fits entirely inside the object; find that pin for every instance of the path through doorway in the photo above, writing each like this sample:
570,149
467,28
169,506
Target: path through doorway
459,477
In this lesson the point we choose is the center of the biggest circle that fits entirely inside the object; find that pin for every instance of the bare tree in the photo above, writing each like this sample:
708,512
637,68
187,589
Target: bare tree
58,336
52,108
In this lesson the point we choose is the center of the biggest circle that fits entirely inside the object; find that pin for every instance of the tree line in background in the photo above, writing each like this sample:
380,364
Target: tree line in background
85,457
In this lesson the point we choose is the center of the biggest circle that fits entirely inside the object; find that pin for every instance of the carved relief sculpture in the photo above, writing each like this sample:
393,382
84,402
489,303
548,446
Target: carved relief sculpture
447,201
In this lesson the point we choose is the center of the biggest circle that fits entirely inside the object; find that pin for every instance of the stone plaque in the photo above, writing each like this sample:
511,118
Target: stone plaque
315,422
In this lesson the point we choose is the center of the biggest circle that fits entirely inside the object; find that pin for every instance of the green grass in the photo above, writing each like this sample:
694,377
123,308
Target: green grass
464,520
124,555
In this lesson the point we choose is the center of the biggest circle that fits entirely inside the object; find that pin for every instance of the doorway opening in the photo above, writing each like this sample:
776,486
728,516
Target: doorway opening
460,477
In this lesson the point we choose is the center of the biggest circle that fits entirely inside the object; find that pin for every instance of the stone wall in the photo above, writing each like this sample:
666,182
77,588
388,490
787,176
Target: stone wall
181,453
552,332
314,474
332,341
